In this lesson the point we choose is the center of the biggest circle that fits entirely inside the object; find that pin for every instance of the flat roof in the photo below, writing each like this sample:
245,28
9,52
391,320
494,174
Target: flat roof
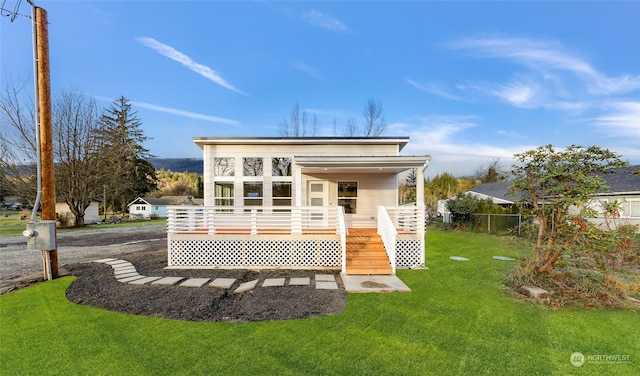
400,141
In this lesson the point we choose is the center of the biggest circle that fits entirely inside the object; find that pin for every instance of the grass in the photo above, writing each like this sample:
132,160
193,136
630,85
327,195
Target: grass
12,225
458,320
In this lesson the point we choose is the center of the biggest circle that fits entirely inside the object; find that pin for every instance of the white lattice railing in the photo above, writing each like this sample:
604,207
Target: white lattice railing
409,219
255,220
388,232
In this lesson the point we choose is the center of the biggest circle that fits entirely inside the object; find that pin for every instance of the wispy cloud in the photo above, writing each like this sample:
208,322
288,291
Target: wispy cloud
189,63
622,120
444,136
547,56
433,89
308,69
189,114
317,18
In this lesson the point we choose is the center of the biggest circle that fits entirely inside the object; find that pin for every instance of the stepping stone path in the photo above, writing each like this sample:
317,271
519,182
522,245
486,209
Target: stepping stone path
458,258
125,272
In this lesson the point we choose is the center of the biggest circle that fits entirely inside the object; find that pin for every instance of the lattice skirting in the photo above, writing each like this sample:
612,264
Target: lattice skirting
255,253
408,253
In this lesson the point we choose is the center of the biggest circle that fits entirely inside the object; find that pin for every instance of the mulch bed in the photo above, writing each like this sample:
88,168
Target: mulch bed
96,286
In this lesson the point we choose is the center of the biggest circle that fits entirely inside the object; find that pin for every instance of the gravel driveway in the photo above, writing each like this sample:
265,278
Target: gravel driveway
18,264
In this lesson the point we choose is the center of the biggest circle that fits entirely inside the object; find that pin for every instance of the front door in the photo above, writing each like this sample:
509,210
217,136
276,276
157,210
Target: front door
318,194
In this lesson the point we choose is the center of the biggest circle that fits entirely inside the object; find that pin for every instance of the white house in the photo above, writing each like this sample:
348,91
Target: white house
148,207
91,214
291,202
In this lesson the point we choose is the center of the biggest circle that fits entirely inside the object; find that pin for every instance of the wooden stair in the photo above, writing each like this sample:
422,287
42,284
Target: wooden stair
366,254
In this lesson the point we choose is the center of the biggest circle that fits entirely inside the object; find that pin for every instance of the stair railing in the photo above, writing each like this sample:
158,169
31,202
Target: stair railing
341,229
388,232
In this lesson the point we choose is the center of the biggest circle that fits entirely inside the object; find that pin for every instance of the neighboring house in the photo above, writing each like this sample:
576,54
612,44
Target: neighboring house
14,203
624,187
91,214
148,207
290,202
497,192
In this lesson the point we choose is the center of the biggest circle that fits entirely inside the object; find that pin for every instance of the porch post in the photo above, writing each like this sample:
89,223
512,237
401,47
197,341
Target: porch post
298,179
420,187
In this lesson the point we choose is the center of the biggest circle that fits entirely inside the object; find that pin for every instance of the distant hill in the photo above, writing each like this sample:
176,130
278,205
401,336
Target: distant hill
178,164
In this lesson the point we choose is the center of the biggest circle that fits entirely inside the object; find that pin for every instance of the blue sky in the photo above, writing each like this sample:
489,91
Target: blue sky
467,81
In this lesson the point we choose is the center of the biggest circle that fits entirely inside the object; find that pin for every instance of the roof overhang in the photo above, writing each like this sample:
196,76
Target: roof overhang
400,141
361,164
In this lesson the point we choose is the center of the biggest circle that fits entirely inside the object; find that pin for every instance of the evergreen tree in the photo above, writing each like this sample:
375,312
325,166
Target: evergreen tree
127,159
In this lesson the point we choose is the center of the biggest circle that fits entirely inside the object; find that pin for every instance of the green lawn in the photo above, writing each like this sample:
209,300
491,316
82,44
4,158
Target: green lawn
457,321
12,225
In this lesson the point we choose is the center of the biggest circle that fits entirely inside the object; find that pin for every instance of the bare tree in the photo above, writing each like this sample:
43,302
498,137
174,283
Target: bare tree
297,125
375,123
80,169
351,127
491,172
17,141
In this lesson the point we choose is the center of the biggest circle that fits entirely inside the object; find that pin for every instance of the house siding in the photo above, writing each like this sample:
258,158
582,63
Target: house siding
374,189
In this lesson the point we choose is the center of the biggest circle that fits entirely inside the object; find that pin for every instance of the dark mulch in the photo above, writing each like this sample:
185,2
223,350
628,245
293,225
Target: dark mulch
96,286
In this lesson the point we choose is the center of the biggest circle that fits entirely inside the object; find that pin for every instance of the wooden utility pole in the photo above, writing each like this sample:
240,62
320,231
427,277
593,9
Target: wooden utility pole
46,134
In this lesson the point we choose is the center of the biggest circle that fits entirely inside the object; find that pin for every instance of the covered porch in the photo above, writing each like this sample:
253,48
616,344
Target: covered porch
296,237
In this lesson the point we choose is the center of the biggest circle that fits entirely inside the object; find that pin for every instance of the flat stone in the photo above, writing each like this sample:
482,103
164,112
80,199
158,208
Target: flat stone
300,281
503,258
222,283
129,279
144,281
119,271
123,266
458,258
117,262
534,291
326,285
126,275
325,277
194,282
273,282
247,286
167,281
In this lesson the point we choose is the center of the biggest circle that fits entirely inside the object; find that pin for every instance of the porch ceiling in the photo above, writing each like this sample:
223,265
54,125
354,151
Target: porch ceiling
360,164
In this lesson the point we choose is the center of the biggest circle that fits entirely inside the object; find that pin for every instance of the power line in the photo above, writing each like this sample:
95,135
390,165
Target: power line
13,14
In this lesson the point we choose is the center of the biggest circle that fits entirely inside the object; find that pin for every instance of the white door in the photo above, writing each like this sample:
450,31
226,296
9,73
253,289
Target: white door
318,195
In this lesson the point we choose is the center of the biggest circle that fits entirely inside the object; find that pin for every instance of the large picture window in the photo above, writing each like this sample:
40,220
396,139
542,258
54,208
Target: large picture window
224,167
252,167
348,196
224,194
252,193
281,192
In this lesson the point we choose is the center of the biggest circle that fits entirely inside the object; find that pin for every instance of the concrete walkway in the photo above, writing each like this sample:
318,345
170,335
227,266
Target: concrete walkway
125,272
373,283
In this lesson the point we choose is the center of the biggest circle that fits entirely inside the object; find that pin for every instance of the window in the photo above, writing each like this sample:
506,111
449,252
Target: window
224,167
348,196
280,166
281,192
252,192
252,167
224,194
631,208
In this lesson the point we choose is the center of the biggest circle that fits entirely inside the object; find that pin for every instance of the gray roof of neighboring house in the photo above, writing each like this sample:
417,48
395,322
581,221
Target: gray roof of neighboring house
495,190
624,180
